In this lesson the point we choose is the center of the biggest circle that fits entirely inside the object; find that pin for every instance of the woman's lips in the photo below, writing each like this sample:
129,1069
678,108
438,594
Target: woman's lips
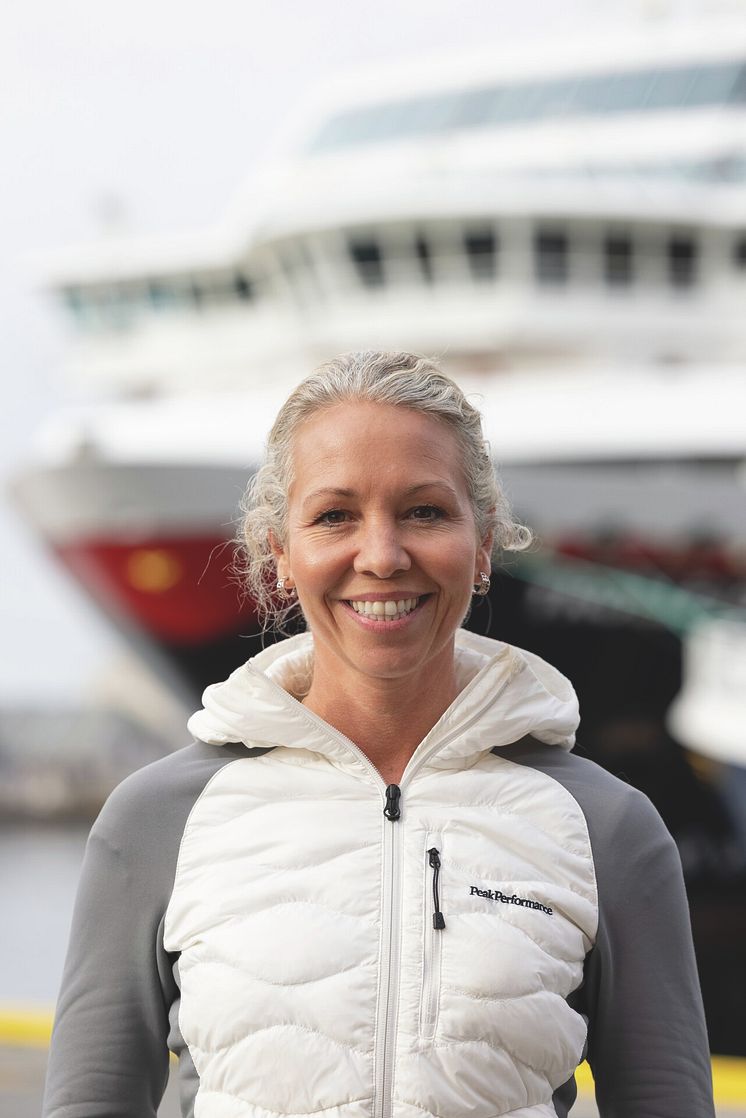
385,612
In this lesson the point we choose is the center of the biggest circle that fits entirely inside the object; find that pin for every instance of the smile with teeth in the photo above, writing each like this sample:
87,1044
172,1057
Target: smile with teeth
385,611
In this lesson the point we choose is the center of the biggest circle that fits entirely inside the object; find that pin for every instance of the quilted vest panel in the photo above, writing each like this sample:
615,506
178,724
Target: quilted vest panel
313,979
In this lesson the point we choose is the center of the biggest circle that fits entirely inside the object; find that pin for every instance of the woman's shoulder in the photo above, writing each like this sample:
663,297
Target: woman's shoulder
618,816
152,804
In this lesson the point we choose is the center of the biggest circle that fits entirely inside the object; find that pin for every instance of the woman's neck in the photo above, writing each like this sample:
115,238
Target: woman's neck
386,719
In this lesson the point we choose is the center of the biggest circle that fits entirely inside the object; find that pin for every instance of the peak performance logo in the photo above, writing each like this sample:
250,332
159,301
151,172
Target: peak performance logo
504,898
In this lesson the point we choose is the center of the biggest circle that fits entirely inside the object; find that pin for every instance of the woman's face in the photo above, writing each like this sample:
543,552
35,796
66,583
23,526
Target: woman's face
381,544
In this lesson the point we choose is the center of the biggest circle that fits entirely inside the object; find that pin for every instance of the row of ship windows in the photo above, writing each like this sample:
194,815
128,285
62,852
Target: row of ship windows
639,90
375,265
552,253
118,304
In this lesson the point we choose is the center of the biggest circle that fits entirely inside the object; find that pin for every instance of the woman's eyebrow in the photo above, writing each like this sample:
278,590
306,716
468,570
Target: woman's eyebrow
327,491
435,484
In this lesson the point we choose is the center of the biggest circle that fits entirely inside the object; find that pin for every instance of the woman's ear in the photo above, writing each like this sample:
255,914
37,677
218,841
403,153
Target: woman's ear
484,556
281,559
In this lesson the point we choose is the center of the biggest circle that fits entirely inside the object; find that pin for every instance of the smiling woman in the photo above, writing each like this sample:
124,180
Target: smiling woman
382,548
379,507
379,883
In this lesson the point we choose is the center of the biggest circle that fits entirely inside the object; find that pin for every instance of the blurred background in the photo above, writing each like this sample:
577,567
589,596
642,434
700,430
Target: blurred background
202,203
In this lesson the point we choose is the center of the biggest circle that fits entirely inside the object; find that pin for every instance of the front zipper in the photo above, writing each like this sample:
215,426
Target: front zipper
390,948
434,926
392,810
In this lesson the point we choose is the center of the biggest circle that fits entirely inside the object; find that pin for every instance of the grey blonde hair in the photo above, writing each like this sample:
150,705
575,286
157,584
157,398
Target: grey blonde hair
404,380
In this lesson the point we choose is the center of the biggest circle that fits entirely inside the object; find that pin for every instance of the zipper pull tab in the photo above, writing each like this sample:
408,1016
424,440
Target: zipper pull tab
439,920
392,810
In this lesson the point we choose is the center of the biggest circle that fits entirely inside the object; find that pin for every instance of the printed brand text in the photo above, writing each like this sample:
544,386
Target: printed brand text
496,895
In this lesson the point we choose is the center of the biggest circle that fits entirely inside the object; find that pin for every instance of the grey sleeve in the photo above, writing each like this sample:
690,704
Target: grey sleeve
648,1046
647,1040
109,1055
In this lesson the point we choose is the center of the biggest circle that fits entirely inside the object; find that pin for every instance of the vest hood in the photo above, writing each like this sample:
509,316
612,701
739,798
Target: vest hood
506,693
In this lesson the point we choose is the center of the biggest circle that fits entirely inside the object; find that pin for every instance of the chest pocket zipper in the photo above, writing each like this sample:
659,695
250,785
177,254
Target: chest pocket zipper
433,930
438,918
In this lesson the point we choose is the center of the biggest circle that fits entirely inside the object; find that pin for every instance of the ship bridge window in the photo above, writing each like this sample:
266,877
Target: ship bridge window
556,98
167,294
682,252
365,253
481,253
427,114
551,256
617,93
737,89
618,259
221,287
89,306
670,87
242,286
378,125
424,257
716,85
159,295
101,307
499,105
637,90
75,302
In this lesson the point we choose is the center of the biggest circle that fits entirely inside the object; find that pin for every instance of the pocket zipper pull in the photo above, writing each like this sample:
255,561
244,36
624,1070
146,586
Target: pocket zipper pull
439,920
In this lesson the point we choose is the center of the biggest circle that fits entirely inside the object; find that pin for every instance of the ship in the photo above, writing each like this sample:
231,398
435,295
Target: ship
565,231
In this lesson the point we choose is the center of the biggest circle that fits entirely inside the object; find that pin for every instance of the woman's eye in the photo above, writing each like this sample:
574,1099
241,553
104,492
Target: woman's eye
332,516
427,512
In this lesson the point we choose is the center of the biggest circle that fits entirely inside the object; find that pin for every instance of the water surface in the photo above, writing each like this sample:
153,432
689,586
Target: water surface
39,869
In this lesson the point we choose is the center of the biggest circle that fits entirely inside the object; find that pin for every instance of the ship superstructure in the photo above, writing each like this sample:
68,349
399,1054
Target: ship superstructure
575,207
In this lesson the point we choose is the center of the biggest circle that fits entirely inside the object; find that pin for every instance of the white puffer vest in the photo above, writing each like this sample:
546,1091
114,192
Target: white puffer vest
335,961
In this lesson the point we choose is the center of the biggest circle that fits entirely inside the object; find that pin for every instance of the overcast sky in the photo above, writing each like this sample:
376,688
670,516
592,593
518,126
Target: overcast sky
165,106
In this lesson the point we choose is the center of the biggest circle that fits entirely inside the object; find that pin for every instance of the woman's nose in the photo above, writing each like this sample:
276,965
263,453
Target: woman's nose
381,551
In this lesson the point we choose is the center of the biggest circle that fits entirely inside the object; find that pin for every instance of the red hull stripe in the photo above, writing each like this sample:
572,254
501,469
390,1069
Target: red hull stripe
178,589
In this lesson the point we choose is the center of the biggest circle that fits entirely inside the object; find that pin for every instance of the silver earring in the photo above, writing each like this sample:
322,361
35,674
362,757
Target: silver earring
283,591
483,586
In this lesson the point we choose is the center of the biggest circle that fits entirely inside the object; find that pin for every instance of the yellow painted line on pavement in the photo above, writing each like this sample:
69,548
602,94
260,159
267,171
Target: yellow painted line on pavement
25,1028
31,1028
729,1079
584,1079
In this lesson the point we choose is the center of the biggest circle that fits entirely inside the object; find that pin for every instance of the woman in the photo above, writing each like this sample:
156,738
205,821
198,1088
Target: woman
379,883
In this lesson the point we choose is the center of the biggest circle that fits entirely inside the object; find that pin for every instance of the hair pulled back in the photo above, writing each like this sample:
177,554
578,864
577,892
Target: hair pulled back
399,379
